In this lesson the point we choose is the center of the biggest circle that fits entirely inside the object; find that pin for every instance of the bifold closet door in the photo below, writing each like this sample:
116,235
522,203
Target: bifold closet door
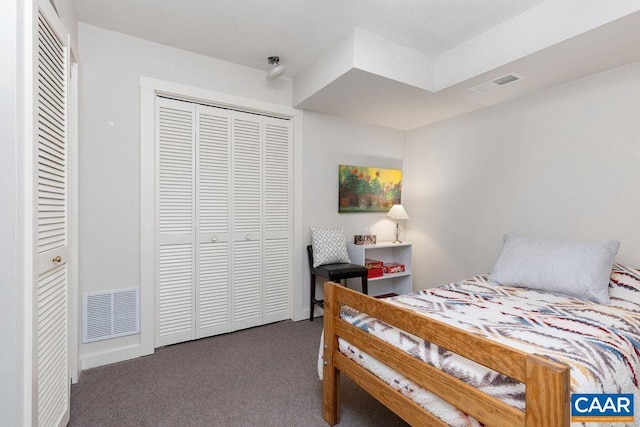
193,292
277,219
223,255
261,252
213,291
246,179
176,219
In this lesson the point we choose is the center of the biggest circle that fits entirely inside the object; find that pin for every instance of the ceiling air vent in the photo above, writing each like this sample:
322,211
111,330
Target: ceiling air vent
501,81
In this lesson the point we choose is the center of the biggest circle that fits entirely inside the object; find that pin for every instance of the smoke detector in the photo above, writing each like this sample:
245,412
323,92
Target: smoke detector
277,69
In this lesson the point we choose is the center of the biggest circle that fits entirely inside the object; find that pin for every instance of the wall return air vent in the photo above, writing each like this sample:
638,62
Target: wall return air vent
110,314
496,83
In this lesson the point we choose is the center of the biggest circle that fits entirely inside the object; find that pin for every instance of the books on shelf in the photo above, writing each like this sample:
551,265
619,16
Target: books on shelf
375,272
379,268
393,267
372,263
375,268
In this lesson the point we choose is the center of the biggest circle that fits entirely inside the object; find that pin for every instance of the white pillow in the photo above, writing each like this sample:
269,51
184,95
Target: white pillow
329,246
575,268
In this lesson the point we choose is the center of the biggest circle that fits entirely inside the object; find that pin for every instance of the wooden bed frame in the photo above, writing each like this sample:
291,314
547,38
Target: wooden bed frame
547,394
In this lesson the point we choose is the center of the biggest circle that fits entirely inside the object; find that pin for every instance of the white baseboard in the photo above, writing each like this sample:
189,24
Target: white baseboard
105,358
317,313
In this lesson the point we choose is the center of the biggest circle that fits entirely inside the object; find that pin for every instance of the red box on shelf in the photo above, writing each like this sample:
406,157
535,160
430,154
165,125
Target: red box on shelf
375,272
393,267
372,263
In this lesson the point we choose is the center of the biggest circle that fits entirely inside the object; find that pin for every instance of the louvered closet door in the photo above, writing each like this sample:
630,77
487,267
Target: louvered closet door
277,220
247,220
213,290
223,231
51,340
175,228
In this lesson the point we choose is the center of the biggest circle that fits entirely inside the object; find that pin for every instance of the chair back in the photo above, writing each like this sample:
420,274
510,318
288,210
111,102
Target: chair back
310,254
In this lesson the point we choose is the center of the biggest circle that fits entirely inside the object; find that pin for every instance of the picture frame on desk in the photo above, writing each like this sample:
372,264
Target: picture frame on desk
360,239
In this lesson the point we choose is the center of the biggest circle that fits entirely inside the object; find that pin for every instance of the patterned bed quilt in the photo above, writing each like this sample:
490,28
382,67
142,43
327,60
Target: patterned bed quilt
600,343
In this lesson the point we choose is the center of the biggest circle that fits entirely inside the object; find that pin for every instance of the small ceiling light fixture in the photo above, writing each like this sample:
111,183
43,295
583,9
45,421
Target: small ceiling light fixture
277,69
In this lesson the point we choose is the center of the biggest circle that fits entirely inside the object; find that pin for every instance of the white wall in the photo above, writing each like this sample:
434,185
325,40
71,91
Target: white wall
11,350
327,143
561,163
68,16
109,139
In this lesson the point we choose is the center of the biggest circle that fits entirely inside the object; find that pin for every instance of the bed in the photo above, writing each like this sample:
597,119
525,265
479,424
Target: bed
476,353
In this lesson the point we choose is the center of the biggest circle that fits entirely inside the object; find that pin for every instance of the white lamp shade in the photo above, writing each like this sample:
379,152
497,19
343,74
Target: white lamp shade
397,212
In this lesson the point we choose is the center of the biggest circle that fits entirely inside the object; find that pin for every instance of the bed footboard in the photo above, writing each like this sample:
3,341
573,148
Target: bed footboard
547,402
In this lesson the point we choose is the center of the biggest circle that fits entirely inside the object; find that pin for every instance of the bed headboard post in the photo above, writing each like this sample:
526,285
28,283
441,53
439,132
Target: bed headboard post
547,393
330,375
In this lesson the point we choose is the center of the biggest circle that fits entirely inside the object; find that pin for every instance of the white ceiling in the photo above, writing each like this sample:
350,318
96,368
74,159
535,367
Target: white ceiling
459,43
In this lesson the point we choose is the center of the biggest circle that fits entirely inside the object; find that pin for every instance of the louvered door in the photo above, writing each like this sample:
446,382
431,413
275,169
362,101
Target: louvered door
51,340
213,290
247,260
175,228
223,256
277,220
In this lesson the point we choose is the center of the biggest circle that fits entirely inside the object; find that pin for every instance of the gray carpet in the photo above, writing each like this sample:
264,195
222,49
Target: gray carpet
263,376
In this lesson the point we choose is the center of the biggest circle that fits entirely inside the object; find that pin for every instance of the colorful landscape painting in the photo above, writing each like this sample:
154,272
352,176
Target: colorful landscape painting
368,189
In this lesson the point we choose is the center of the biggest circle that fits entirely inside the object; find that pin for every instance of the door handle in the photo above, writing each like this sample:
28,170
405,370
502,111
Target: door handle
57,259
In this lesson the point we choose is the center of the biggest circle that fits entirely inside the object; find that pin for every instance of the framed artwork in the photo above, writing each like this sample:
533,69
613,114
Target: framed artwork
368,189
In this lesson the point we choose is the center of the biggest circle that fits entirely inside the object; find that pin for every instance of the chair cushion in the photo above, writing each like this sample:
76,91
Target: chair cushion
340,271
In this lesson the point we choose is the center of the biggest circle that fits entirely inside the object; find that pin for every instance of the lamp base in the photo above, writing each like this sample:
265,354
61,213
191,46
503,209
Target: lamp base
397,239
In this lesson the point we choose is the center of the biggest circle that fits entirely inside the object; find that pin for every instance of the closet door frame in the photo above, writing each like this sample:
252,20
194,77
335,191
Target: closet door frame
152,88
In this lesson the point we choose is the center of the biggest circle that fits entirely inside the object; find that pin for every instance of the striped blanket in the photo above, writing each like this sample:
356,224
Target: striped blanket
600,343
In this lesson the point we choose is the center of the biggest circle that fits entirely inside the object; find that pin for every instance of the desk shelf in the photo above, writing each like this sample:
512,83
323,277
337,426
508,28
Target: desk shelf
398,283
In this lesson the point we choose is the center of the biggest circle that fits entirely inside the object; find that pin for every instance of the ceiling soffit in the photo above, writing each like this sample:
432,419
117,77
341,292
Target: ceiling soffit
553,26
